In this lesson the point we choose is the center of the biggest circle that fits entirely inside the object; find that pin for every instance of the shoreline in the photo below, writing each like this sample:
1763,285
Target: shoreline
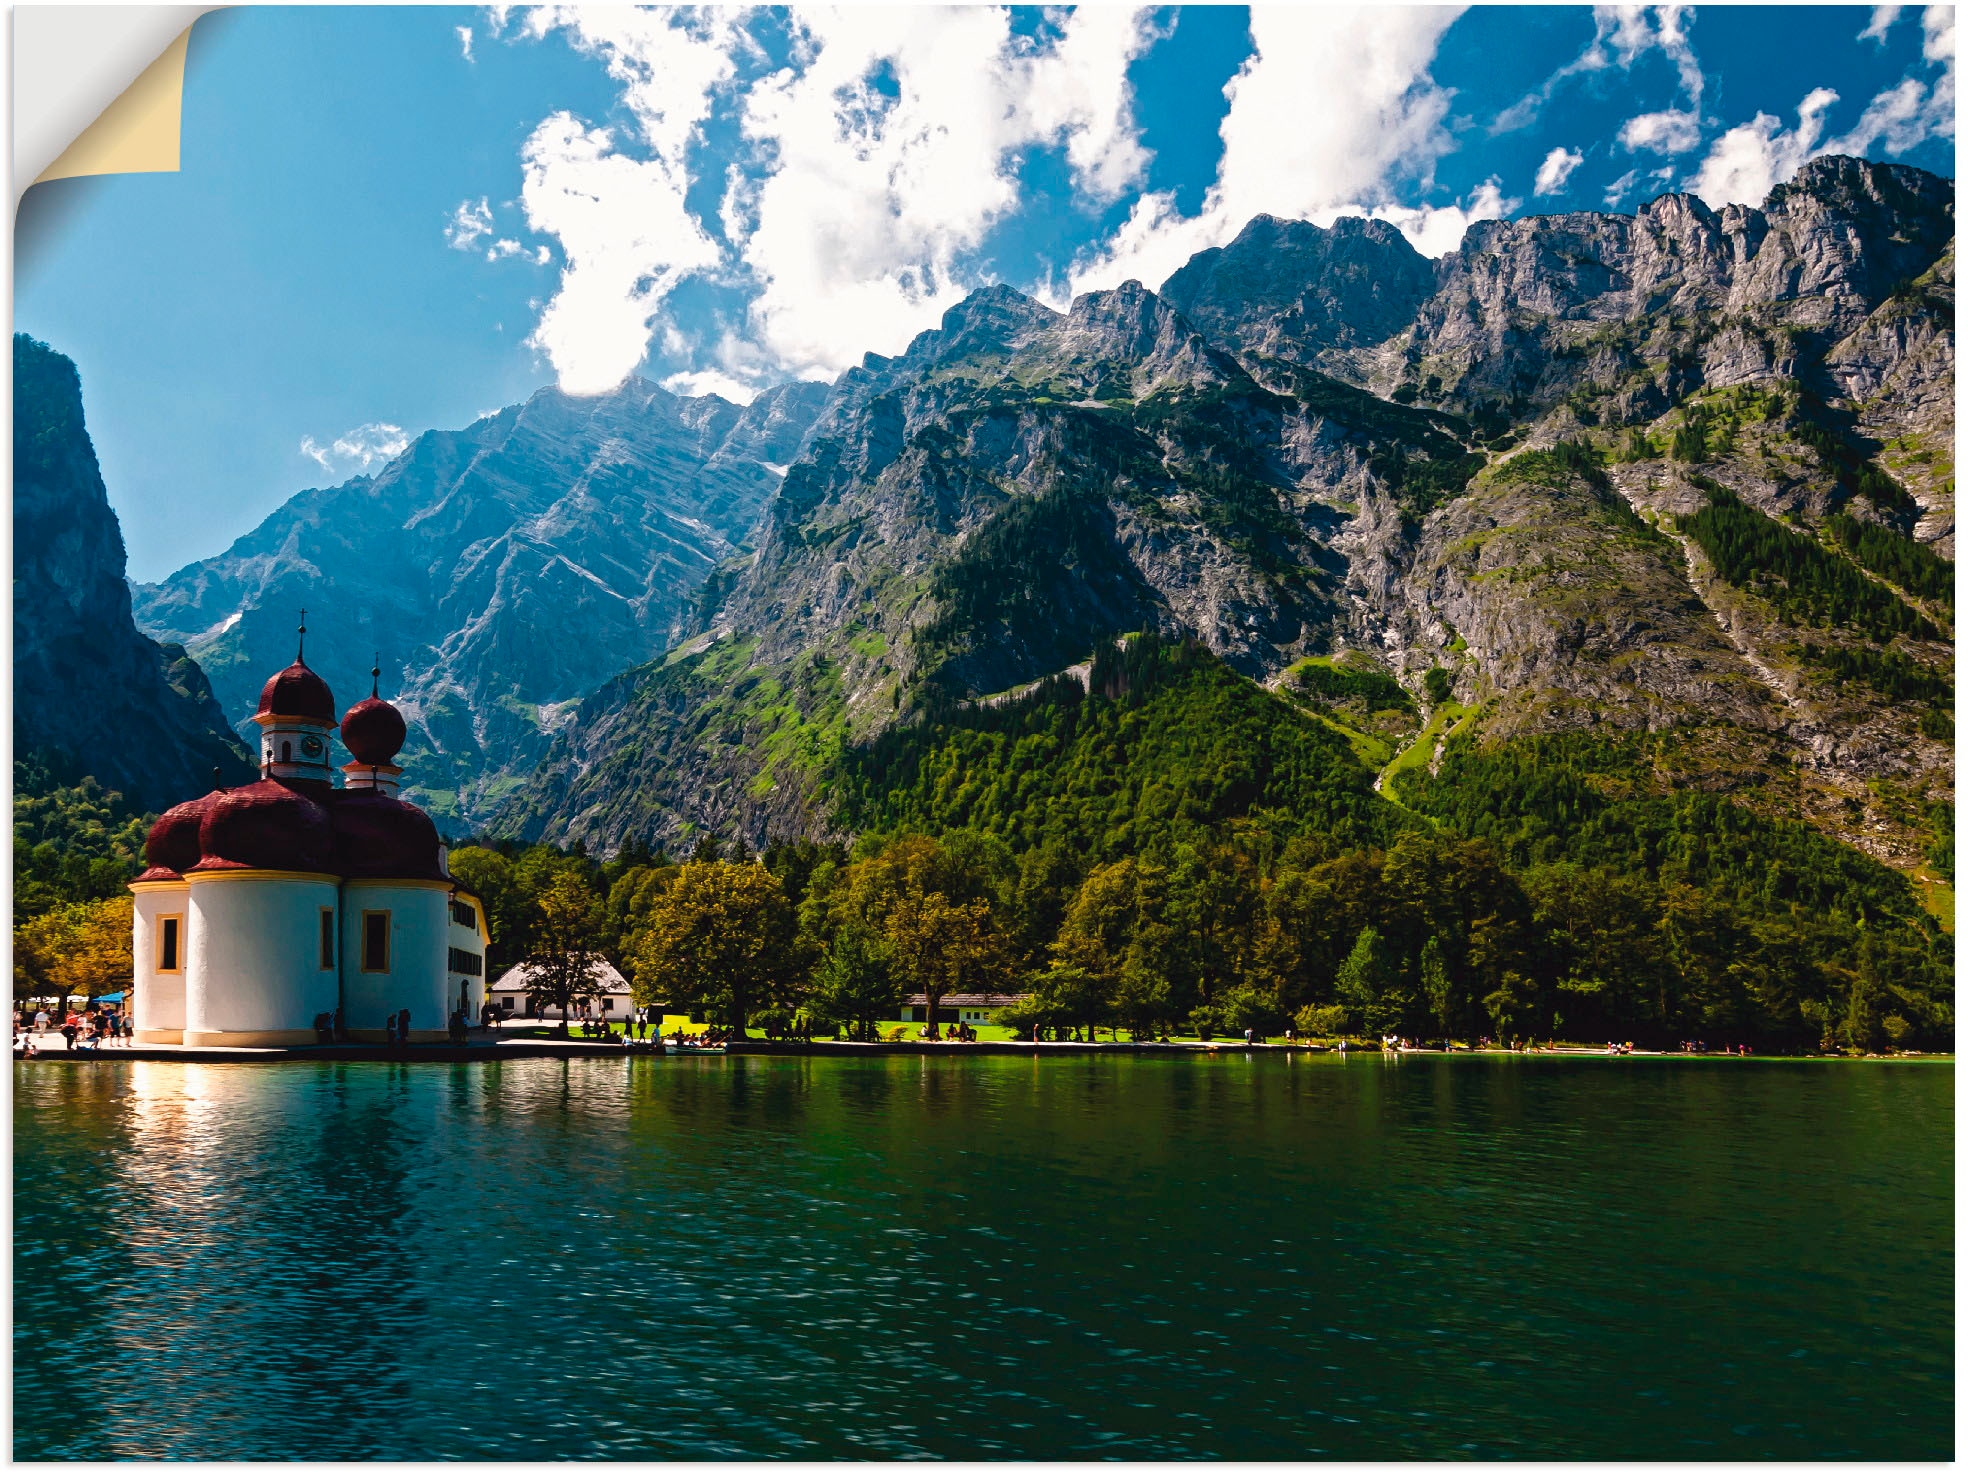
492,1050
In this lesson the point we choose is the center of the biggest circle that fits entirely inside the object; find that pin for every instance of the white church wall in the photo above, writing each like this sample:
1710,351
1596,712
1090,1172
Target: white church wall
469,939
157,1000
414,975
254,975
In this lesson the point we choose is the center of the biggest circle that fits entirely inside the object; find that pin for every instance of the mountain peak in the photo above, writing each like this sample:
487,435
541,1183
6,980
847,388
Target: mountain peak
1353,283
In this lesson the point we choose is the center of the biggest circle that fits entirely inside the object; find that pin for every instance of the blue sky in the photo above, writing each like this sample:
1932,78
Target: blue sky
396,219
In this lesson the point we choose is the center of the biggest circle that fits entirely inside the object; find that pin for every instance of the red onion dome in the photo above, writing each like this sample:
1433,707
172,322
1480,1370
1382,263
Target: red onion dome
299,693
373,731
266,826
173,840
378,837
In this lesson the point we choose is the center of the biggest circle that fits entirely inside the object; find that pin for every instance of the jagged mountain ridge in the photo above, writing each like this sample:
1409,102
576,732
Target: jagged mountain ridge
502,571
92,695
1020,484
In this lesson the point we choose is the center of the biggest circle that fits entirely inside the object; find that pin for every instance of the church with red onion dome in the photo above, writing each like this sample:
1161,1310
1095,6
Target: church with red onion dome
267,906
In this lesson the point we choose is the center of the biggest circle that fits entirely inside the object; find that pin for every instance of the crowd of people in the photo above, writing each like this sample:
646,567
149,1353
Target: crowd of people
95,1026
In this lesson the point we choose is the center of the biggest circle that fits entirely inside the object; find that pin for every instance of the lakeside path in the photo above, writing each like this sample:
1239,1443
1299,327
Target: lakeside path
493,1050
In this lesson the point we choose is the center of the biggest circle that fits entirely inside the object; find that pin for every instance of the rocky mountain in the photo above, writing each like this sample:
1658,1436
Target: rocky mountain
92,696
1684,472
502,571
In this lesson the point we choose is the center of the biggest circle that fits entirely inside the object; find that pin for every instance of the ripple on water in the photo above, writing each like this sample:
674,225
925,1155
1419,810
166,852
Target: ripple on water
1099,1257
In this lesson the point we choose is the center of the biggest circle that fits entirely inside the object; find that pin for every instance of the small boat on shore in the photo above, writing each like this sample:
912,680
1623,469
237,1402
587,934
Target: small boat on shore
693,1050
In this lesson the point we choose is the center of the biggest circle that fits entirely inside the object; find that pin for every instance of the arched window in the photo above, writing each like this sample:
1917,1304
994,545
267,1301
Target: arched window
286,751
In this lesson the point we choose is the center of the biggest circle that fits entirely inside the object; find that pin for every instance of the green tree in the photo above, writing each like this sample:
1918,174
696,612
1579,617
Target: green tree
1436,992
946,947
78,950
1369,987
1513,1007
488,874
719,936
857,982
563,955
1073,995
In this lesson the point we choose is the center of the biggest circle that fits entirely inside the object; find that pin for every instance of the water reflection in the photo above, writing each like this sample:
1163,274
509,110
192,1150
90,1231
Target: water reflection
1070,1257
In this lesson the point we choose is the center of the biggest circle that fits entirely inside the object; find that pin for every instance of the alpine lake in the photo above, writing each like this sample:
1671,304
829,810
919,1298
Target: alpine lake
1227,1256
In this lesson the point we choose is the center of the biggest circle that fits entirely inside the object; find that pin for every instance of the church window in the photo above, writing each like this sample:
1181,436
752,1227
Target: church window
327,939
169,928
375,940
286,751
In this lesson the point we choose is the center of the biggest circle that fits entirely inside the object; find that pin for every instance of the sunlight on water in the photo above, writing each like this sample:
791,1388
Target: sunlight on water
1004,1257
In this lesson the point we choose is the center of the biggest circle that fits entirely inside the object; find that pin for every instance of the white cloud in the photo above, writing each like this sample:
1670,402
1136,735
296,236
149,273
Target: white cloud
1913,111
1746,162
1435,230
622,222
1617,191
1634,32
1331,111
711,381
1556,169
1882,20
1670,131
360,448
465,40
628,240
894,139
470,223
878,156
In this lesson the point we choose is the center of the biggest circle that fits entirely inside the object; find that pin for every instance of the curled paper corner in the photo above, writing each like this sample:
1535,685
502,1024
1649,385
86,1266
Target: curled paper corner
138,133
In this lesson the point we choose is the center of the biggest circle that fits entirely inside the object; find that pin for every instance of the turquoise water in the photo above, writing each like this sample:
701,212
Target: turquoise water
987,1257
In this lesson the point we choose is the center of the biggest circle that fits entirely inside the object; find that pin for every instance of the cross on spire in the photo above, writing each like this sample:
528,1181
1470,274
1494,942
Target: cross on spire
375,674
300,653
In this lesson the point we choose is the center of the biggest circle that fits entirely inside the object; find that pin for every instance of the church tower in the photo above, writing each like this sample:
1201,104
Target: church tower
296,718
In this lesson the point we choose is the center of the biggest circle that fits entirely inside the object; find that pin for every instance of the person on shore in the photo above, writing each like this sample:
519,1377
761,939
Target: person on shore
70,1030
40,1019
389,1032
403,1028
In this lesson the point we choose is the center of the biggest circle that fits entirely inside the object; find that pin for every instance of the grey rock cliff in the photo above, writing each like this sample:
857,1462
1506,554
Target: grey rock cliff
503,571
1222,461
92,696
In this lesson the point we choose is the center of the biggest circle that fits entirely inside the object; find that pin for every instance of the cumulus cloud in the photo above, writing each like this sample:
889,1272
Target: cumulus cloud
628,240
1333,110
465,41
1556,169
1633,32
470,223
1617,191
712,381
1746,162
1670,131
1882,20
624,227
1435,230
1915,110
881,152
895,142
360,448
877,151
1621,35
